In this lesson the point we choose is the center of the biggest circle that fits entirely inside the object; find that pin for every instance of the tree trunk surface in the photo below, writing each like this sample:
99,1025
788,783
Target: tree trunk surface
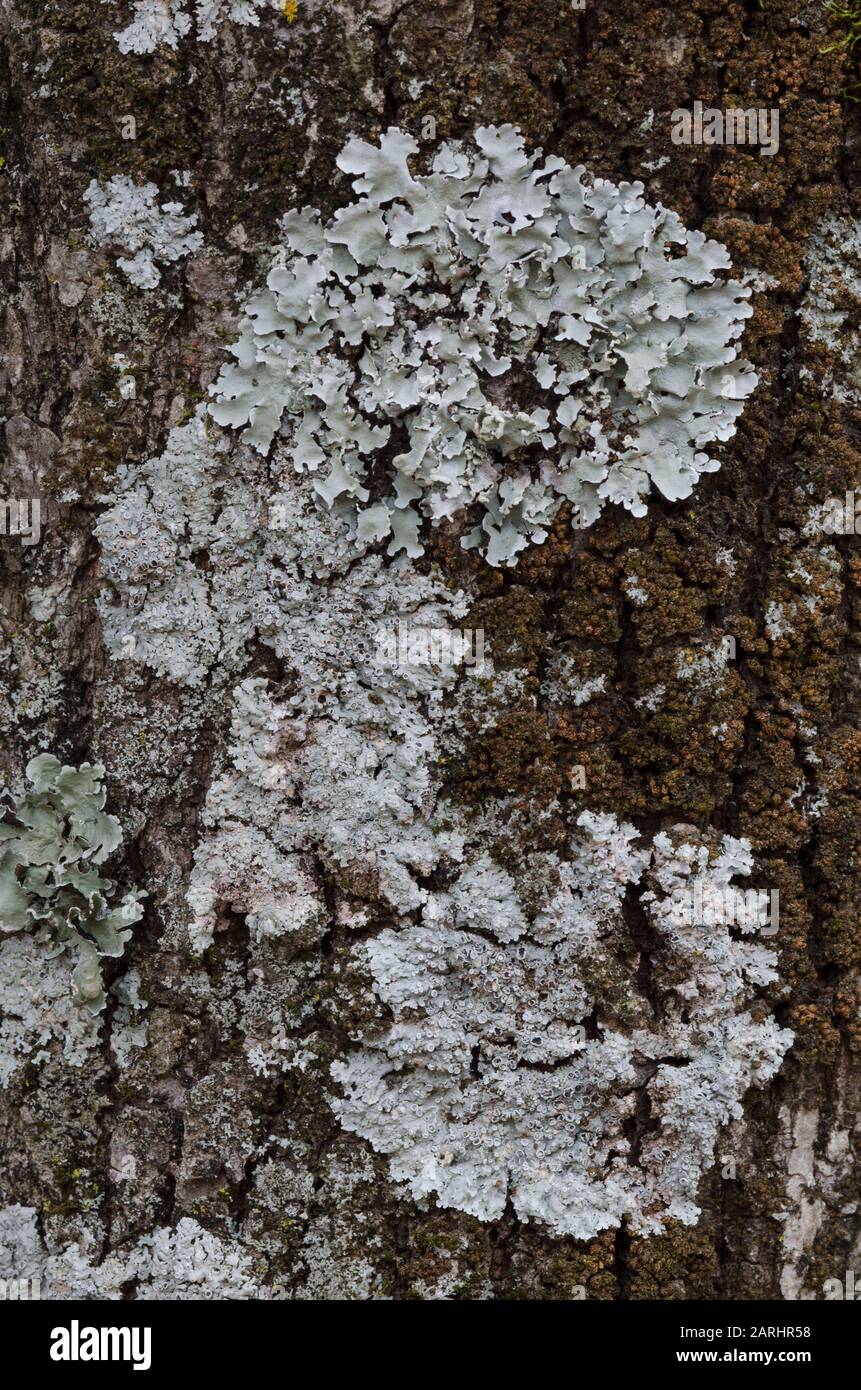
164,1125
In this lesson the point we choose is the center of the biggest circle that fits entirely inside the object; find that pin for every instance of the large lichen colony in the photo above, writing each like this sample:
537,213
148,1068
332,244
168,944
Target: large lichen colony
484,1087
501,331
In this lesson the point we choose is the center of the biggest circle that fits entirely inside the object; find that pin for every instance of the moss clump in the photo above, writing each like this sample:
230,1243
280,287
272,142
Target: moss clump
848,18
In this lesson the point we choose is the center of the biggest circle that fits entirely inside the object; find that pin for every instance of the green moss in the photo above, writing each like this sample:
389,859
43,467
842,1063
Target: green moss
847,18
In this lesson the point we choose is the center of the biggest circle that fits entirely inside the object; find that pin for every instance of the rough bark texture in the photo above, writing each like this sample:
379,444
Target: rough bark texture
262,1162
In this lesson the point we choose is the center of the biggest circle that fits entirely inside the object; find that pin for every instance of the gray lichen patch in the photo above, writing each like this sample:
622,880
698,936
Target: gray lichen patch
187,1262
39,1009
499,331
503,1074
831,304
127,217
344,755
53,840
525,1050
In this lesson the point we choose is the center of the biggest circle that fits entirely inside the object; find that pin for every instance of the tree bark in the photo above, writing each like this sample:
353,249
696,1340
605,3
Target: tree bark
182,1126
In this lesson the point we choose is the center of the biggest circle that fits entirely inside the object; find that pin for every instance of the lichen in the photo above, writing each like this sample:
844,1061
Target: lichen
491,953
52,840
39,1009
345,760
183,1263
498,331
128,217
828,311
260,114
158,22
487,1086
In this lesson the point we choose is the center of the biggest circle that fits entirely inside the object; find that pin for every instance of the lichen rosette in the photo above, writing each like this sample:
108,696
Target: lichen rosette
504,331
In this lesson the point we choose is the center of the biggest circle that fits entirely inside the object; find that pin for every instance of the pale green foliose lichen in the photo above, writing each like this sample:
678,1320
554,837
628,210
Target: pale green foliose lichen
52,841
499,330
165,22
128,217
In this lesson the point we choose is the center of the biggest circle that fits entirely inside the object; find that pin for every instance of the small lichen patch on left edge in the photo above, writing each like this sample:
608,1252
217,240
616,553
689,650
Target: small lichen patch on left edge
51,840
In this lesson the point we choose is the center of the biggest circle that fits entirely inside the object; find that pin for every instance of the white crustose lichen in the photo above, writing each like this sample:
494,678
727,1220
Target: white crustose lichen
502,333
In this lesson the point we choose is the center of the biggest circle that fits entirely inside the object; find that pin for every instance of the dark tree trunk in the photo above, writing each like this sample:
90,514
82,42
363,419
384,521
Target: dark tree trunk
137,1138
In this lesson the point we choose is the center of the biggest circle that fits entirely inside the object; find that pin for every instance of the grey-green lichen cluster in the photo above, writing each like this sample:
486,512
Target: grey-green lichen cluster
486,958
53,839
498,331
219,549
